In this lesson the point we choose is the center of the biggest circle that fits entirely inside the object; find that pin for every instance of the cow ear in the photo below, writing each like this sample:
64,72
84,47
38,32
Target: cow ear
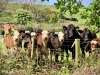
77,27
64,27
80,31
1,26
12,26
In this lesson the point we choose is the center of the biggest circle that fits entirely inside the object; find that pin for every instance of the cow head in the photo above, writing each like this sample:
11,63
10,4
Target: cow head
34,35
64,30
71,30
16,35
27,40
61,37
94,45
51,32
45,36
85,34
37,31
6,28
55,41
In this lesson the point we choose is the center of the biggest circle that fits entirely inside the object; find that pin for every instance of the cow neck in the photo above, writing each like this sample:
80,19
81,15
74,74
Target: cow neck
9,34
9,42
39,40
45,43
6,31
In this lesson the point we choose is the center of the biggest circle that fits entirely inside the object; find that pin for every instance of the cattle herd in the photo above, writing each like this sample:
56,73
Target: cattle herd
48,42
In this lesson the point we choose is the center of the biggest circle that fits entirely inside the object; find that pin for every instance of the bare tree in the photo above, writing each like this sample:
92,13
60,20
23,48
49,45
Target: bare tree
3,4
27,1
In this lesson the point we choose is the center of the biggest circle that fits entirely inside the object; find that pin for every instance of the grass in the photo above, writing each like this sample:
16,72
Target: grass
3,49
15,64
14,7
98,34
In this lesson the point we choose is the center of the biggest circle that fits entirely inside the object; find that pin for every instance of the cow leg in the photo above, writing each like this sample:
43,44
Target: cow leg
51,53
34,55
83,53
62,55
89,48
56,57
39,56
73,54
67,54
46,59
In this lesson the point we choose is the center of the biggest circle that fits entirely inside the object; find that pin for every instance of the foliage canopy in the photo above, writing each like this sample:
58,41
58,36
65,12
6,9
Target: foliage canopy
23,16
90,13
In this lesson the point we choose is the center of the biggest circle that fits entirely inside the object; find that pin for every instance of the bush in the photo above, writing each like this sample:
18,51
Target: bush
26,6
43,15
23,16
93,28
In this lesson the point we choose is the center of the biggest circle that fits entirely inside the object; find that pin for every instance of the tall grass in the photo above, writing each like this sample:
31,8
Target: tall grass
3,49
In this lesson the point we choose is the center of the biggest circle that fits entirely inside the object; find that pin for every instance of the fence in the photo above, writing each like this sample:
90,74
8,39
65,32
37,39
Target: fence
77,49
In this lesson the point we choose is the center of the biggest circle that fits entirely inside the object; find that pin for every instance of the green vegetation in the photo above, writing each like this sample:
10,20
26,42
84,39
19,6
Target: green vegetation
20,63
23,16
8,16
48,17
92,14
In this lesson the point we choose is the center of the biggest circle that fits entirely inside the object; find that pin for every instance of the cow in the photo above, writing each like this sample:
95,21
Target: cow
53,45
65,18
74,19
21,37
10,37
42,39
86,36
15,36
55,41
70,34
95,43
26,37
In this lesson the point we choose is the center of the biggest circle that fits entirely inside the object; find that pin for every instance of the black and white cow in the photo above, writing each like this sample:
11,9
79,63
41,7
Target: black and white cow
70,34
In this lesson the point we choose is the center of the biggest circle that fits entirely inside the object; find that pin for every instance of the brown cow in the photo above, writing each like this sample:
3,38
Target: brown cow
10,36
42,40
95,43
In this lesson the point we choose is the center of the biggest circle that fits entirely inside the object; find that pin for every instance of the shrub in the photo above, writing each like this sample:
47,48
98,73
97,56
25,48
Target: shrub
43,15
26,6
93,28
23,16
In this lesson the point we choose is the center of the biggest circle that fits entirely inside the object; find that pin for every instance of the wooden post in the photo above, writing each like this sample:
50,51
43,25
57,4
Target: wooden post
32,47
23,45
77,50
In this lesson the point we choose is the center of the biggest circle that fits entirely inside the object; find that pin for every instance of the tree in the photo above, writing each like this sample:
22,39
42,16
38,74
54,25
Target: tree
3,4
92,14
23,16
27,1
67,5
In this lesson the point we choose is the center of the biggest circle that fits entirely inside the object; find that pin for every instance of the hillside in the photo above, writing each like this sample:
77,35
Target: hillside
7,17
